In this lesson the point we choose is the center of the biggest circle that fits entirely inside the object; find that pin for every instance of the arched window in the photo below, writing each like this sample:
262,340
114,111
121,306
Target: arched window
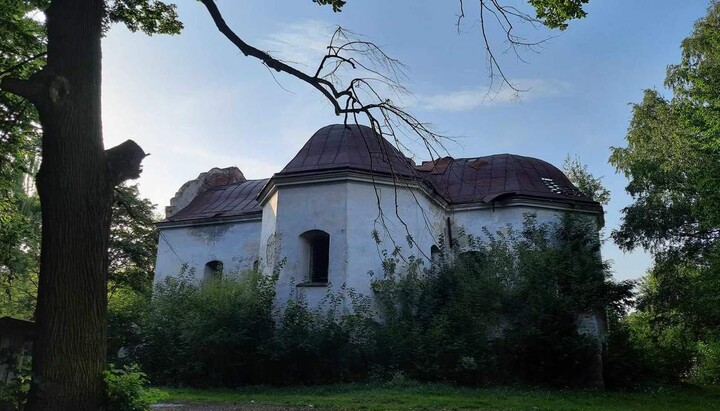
317,253
435,255
213,270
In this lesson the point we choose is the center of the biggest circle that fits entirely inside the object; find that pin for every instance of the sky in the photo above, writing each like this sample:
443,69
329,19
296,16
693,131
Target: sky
194,102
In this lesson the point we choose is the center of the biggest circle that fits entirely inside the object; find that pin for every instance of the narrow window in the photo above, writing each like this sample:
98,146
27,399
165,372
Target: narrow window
317,249
213,270
435,256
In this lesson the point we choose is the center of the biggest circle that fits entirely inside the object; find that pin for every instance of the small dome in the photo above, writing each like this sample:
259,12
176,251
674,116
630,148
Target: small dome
352,146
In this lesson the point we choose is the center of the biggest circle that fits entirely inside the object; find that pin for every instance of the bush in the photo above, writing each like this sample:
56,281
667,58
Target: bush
13,392
707,368
126,388
215,333
503,310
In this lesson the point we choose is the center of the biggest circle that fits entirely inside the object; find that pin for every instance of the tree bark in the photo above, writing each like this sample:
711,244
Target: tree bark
75,191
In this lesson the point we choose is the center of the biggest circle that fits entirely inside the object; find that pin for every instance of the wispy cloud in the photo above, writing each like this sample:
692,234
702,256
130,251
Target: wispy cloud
474,98
303,43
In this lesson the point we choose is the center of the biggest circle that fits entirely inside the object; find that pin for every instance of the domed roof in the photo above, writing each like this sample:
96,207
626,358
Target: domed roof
489,178
352,146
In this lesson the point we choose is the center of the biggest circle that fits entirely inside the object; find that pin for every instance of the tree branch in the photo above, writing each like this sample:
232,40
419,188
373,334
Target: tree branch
123,161
41,88
28,89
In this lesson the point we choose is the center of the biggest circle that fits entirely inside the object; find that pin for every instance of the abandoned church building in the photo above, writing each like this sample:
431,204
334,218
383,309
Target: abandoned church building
343,199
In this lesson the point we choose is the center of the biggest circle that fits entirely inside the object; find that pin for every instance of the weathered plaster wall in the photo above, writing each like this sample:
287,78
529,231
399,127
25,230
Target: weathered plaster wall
234,244
472,222
269,239
405,212
299,209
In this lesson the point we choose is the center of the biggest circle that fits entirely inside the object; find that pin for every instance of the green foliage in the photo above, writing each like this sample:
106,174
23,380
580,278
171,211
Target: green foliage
207,334
556,13
149,16
13,391
503,312
417,396
126,388
707,370
127,310
588,184
671,155
226,332
328,344
133,241
337,5
671,161
22,44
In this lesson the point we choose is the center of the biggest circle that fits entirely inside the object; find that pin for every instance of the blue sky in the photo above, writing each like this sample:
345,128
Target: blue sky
194,102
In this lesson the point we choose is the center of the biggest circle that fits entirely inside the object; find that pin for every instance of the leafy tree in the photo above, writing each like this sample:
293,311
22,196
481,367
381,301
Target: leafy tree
588,184
672,162
22,46
77,176
672,152
502,311
133,241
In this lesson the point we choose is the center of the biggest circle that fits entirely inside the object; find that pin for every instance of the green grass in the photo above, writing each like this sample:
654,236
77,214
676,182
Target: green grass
383,397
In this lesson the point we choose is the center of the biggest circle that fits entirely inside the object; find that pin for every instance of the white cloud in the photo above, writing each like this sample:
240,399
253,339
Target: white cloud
474,98
303,43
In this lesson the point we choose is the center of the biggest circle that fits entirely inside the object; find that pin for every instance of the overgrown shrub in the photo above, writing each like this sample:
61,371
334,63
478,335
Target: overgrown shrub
13,391
331,343
126,388
707,369
502,311
226,332
215,333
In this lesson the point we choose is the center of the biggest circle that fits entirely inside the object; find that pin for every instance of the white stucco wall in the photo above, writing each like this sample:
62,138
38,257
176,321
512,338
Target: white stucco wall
236,245
348,211
299,209
405,212
472,222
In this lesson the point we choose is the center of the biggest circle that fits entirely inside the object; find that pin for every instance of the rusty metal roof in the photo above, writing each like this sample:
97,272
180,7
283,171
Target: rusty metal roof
356,147
489,178
352,146
230,200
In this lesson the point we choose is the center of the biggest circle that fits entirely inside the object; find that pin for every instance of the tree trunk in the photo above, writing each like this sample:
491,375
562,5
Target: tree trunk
75,183
75,193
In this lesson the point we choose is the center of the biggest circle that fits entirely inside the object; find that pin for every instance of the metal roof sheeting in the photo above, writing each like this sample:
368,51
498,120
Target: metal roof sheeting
356,147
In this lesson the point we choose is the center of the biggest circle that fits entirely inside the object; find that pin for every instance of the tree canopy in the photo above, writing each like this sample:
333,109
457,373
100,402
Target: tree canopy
672,160
672,154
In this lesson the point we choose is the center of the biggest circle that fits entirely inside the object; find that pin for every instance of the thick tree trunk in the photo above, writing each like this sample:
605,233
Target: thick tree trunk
75,193
75,184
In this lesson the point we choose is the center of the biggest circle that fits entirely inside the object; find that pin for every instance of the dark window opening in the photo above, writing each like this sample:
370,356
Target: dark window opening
213,270
318,255
435,255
